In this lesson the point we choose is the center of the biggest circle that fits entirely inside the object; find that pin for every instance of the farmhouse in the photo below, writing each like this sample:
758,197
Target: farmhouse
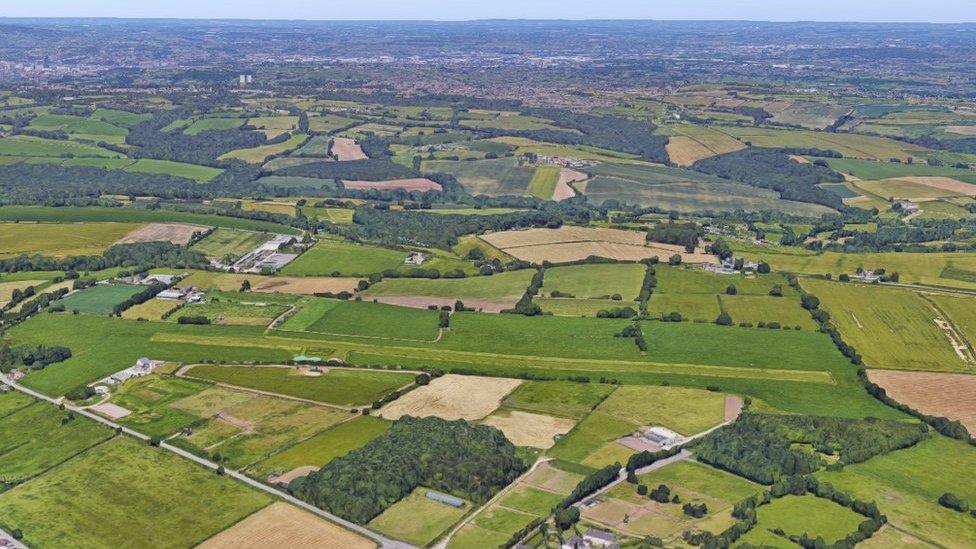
869,277
908,208
174,293
415,258
599,538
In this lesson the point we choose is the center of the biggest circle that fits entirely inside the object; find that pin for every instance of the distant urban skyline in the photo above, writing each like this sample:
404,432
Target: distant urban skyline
935,11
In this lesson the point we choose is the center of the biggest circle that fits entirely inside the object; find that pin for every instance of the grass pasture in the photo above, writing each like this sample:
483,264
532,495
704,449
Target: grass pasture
322,448
26,145
493,177
559,398
543,183
100,298
848,144
504,288
364,320
230,312
341,258
417,519
796,515
60,239
149,399
154,309
260,154
333,386
229,243
82,502
597,281
201,174
755,309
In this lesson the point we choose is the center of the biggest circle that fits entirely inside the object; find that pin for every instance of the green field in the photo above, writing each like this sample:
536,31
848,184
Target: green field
39,436
256,428
874,170
100,299
133,215
796,515
258,155
11,401
848,144
906,484
96,130
120,118
598,281
335,386
317,146
229,243
961,312
494,177
544,181
195,172
756,309
699,307
558,398
417,519
692,479
339,216
229,312
149,399
891,328
319,450
154,309
83,502
60,239
207,124
25,145
501,288
341,258
364,320
561,306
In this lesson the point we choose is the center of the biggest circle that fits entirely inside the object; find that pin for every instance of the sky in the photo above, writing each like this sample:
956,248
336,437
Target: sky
935,11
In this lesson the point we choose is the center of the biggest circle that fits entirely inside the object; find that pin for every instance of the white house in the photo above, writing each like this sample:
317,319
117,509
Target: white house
415,258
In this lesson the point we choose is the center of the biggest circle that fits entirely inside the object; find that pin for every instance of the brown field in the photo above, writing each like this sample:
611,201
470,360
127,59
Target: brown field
945,395
347,149
284,525
685,151
961,130
566,176
305,285
453,397
525,429
177,233
421,302
943,183
574,243
566,233
415,184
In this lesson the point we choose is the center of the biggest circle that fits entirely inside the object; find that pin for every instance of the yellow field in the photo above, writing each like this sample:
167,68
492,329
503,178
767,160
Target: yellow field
690,144
60,239
849,145
154,309
281,525
453,397
258,155
526,429
307,285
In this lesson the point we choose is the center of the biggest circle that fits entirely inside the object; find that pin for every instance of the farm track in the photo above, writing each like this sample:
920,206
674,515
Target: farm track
383,541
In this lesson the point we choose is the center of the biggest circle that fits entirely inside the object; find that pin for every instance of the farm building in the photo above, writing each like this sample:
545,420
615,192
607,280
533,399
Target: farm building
599,538
909,208
174,293
415,258
142,367
445,499
663,437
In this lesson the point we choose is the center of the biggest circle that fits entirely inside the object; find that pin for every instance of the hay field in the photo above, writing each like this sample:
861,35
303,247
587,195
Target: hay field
7,288
527,429
100,299
935,394
342,258
453,397
544,182
570,243
260,154
417,519
891,328
177,233
755,309
596,281
849,145
154,309
60,239
421,184
900,189
281,524
344,148
691,143
502,288
817,517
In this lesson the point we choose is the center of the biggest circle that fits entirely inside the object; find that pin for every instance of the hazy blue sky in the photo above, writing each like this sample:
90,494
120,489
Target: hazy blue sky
765,10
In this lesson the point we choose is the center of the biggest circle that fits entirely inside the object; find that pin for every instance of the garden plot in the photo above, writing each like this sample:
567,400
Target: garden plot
453,397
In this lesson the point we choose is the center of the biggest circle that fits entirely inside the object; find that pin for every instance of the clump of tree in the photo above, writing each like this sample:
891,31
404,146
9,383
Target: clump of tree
31,357
143,255
467,460
683,234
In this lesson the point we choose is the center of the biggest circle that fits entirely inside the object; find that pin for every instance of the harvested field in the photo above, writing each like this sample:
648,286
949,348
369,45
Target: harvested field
280,525
946,395
693,143
453,397
344,149
297,472
416,184
525,429
566,176
944,183
551,479
177,233
570,243
306,285
422,302
961,130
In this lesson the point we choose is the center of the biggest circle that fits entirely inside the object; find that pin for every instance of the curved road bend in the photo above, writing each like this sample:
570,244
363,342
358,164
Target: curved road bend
383,541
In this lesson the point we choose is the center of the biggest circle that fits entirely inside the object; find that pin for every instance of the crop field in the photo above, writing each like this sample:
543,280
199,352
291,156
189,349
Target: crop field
231,282
339,216
624,510
850,145
60,239
961,312
935,394
529,429
256,428
177,233
229,243
149,398
891,328
874,170
493,177
364,320
25,145
100,299
630,408
260,154
225,312
7,288
82,502
796,515
331,386
689,144
543,183
907,484
281,524
417,519
38,436
559,398
340,258
684,191
899,189
322,448
597,281
503,288
154,309
452,397
345,149
420,184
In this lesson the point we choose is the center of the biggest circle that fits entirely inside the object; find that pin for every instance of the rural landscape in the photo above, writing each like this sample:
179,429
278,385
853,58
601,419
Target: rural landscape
474,285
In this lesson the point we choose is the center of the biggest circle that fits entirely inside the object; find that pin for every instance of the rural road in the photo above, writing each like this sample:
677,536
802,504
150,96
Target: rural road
383,541
622,475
